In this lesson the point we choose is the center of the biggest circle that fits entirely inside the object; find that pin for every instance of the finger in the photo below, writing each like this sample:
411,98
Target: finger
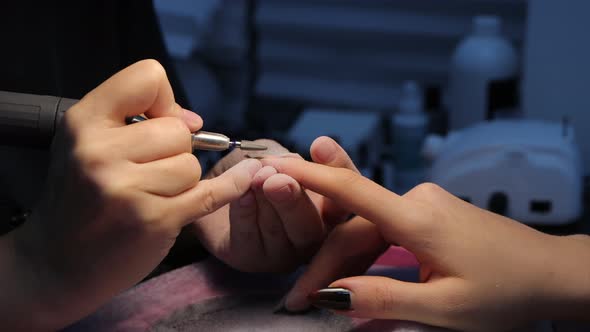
245,239
153,139
338,258
301,220
275,240
209,195
170,176
140,88
397,217
387,298
326,151
232,158
193,121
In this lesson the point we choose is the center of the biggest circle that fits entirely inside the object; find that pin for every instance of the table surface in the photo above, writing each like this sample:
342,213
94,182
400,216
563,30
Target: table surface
144,306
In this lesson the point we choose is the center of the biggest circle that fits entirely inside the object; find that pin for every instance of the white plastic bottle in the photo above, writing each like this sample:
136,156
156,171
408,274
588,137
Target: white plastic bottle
410,126
483,68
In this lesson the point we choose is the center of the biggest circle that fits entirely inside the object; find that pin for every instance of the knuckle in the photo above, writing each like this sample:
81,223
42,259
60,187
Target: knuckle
190,166
348,177
169,130
240,187
454,306
384,299
190,161
90,156
174,126
426,190
175,130
117,191
148,218
152,69
423,221
209,202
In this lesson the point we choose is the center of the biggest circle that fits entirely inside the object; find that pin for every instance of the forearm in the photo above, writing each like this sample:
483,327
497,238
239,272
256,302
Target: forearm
568,284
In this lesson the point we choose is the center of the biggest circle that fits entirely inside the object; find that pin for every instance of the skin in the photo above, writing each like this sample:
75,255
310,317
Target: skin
276,225
479,271
117,198
119,195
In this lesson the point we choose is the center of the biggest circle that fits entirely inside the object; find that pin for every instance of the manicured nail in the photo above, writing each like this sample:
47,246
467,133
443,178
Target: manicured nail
191,118
334,298
283,194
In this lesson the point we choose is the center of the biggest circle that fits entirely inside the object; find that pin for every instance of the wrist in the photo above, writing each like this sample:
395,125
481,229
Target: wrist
567,288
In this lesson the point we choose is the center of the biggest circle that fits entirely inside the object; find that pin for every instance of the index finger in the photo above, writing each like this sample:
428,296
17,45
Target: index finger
352,190
140,88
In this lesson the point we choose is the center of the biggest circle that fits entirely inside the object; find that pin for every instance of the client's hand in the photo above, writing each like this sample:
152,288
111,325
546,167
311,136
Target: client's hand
277,225
479,271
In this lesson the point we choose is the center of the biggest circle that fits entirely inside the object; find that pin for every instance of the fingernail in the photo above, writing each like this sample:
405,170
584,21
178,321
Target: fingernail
191,118
261,176
248,199
283,308
283,194
252,165
334,298
326,151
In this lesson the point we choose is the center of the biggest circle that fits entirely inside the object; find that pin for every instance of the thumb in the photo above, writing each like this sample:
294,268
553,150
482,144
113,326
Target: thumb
211,194
381,298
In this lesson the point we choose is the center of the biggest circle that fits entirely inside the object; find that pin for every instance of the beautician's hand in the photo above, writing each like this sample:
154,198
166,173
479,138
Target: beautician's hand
277,225
117,198
479,271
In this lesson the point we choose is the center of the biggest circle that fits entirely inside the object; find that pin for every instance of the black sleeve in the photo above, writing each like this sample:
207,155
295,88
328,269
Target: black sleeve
67,48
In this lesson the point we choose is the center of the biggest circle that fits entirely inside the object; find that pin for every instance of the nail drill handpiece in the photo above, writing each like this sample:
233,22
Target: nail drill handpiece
205,140
32,120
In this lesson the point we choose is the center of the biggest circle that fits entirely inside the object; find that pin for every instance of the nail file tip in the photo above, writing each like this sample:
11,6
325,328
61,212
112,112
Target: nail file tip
245,145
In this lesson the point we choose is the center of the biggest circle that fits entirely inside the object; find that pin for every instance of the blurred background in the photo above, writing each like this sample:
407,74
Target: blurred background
486,98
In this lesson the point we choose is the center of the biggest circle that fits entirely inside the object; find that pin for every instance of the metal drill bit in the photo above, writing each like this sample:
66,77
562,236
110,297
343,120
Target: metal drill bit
247,145
204,140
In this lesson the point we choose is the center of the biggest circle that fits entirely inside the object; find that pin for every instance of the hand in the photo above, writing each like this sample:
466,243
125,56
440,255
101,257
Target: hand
117,198
277,225
479,271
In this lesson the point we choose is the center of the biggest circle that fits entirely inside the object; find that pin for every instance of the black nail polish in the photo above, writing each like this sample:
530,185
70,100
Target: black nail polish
334,298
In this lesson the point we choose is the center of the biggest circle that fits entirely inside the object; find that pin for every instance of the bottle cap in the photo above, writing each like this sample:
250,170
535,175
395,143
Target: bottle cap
411,98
